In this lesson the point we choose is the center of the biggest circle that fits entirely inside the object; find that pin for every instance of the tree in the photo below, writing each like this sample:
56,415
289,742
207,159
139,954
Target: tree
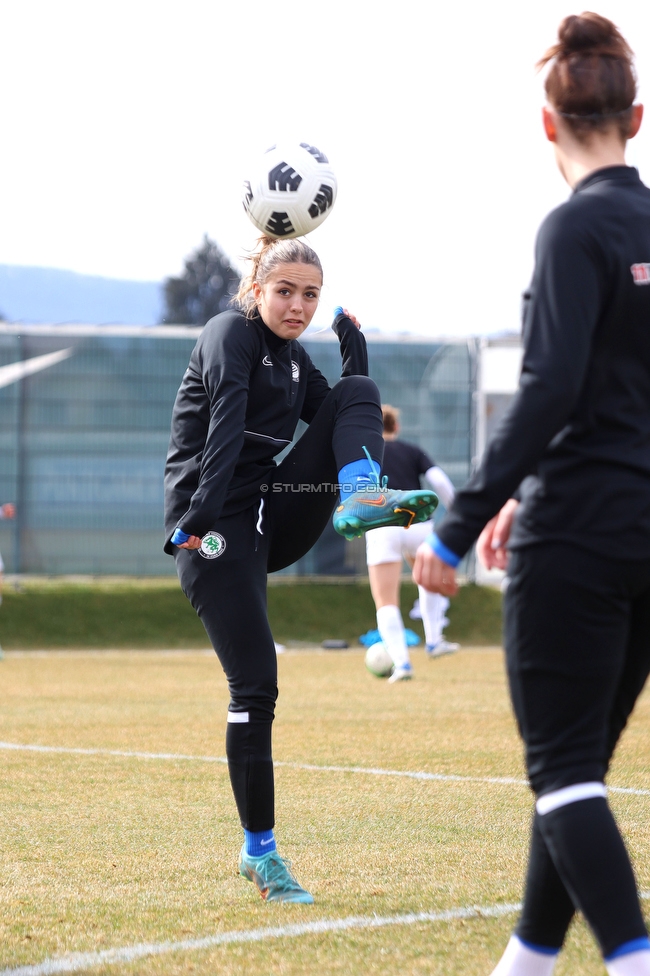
204,289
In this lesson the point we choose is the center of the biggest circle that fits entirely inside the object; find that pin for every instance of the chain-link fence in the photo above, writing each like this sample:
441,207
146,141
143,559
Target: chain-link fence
84,428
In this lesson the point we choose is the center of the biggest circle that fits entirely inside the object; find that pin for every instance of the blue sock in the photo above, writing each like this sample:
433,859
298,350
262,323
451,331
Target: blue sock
636,945
259,842
357,475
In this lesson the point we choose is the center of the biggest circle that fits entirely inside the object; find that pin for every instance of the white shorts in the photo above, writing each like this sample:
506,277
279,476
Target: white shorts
392,543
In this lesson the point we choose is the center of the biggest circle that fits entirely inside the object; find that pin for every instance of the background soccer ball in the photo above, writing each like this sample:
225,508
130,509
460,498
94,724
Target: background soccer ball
292,191
378,660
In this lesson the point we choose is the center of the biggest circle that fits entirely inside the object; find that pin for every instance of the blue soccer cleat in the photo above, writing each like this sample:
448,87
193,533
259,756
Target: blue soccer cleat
377,505
273,878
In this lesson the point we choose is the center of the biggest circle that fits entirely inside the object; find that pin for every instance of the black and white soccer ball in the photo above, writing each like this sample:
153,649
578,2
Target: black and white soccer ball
291,192
379,661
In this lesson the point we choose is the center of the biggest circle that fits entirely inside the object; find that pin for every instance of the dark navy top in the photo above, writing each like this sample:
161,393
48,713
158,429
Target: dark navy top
403,464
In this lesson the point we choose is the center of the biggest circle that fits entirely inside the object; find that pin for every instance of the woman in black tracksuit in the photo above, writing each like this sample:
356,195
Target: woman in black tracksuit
232,515
580,540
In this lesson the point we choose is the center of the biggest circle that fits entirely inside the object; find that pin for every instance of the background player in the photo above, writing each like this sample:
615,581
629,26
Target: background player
403,465
581,537
232,515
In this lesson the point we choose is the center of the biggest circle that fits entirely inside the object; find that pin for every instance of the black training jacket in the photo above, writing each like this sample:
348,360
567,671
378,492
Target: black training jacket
238,405
581,417
403,464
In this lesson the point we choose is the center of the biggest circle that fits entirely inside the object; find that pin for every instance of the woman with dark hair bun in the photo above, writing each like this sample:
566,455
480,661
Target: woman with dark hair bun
578,529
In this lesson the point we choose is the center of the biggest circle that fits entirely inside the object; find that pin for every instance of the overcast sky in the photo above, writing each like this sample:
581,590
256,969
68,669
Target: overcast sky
128,126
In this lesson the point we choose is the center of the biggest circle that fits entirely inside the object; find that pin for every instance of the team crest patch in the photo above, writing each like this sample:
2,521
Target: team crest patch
213,544
295,372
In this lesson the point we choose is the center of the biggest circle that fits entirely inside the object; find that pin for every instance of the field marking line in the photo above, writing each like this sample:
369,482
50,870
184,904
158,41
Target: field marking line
111,752
83,961
308,767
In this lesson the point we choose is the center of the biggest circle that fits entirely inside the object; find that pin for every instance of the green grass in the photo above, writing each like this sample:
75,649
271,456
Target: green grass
155,614
104,851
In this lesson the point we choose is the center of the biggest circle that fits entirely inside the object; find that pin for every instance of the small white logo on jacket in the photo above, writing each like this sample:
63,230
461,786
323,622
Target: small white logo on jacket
641,274
266,361
295,372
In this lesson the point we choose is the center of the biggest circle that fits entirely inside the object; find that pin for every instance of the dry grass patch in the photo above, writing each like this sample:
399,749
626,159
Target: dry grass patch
102,851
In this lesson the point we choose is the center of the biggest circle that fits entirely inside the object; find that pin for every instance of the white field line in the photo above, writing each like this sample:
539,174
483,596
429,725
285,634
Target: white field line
83,961
309,767
111,752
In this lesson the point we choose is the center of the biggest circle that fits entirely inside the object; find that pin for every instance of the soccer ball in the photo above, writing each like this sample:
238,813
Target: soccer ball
378,660
292,190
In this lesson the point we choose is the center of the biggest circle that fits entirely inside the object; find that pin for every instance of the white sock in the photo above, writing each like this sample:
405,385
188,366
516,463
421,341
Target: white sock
432,608
632,964
519,960
391,631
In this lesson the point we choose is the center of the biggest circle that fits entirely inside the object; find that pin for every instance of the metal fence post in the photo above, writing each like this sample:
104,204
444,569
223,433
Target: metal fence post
21,465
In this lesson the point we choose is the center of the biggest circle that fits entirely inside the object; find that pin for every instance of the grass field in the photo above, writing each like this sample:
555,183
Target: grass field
134,842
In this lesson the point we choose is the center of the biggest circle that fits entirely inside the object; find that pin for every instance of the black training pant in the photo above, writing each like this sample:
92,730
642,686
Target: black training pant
577,637
229,592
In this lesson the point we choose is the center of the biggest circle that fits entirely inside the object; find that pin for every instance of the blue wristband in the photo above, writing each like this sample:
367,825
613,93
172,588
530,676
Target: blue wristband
338,310
179,536
441,550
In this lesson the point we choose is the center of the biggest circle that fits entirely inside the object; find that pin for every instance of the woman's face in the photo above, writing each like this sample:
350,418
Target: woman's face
288,298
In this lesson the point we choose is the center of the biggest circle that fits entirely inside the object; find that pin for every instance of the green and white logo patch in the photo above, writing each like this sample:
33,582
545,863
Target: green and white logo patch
213,544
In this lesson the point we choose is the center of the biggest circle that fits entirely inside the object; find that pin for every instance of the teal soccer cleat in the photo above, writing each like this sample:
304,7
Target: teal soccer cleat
272,876
377,505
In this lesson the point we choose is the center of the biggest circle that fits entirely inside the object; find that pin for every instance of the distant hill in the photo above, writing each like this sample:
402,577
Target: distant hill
51,296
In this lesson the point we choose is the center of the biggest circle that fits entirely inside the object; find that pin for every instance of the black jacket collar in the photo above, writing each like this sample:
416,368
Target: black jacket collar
273,341
618,174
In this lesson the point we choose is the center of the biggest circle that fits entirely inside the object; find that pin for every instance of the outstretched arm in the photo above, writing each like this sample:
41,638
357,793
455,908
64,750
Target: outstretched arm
354,356
559,325
354,352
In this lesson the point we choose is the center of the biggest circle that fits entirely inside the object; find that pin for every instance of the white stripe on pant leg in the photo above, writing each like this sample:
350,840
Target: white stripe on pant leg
237,718
569,794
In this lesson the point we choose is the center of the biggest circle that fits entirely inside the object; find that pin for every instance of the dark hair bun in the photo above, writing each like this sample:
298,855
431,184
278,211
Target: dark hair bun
591,34
591,81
